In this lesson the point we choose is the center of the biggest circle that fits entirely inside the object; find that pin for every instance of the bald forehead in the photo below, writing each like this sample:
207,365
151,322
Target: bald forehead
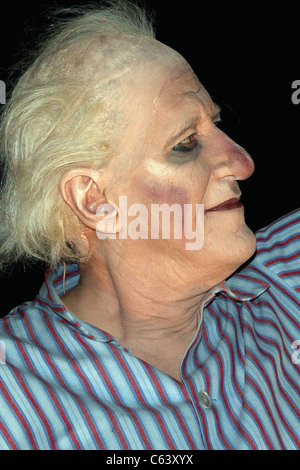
110,57
166,87
151,84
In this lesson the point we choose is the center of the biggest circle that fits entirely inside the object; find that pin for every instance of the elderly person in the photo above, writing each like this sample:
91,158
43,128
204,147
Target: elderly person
136,342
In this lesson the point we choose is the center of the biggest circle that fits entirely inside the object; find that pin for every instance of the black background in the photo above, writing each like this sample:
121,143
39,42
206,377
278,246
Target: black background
246,56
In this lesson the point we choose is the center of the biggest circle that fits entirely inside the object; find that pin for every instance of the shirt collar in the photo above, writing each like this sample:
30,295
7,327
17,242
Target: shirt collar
245,285
49,298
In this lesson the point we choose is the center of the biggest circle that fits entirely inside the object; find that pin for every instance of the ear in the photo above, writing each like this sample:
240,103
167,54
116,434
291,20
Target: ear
82,190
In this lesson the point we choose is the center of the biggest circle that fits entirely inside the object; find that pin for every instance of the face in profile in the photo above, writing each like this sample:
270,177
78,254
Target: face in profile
172,152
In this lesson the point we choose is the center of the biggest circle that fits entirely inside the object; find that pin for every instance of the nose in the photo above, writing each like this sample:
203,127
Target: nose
229,160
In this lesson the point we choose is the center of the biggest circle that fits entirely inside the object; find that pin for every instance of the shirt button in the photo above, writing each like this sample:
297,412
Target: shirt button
204,399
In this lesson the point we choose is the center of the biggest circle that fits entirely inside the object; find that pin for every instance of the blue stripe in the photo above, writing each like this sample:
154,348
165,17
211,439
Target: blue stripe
80,380
256,331
37,367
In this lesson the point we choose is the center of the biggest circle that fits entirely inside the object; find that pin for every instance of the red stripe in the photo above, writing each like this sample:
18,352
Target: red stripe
63,384
7,436
286,293
286,314
269,341
282,258
212,408
47,304
204,371
260,303
252,279
68,274
235,383
113,391
194,391
77,370
140,397
229,343
254,385
200,411
250,354
228,409
255,417
18,413
24,386
76,398
245,404
257,363
273,324
173,408
290,273
220,429
63,309
276,245
240,355
48,272
282,227
50,390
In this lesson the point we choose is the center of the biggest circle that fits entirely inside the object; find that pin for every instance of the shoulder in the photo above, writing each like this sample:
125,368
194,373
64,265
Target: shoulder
20,323
14,323
280,237
278,248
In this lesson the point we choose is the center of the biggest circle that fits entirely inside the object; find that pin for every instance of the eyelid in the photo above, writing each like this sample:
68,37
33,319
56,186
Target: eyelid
192,128
188,133
193,131
193,143
191,134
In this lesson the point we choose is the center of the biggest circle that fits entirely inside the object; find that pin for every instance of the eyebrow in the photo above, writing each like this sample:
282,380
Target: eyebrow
191,124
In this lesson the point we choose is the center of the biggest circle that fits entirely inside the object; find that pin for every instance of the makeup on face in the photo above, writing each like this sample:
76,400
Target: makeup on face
230,204
164,193
180,130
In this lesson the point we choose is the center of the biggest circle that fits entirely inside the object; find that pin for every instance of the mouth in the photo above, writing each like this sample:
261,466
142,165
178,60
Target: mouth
230,204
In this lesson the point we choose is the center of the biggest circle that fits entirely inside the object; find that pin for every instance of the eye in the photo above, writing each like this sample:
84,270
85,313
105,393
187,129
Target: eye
187,145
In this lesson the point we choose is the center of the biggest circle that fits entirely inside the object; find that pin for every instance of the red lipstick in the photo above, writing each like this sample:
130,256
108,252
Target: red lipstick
230,204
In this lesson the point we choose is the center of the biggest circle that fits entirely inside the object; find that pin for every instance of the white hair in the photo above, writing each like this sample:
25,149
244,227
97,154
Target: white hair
56,119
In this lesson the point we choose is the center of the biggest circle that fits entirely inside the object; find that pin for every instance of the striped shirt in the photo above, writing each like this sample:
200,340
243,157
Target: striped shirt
65,384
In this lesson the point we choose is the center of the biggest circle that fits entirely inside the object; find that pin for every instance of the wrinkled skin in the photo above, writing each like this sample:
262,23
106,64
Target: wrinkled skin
147,293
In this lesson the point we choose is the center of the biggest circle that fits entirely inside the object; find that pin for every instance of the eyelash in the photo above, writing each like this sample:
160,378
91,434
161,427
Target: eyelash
181,148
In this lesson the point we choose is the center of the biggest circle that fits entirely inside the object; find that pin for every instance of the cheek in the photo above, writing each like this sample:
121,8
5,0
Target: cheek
167,194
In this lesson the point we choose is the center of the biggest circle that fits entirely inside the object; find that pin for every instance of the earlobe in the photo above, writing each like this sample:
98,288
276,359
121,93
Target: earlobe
109,223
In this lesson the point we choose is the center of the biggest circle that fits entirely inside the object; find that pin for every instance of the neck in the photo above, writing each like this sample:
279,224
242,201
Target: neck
151,316
137,305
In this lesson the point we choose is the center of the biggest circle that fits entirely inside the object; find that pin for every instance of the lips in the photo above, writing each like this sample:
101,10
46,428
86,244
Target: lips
230,204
